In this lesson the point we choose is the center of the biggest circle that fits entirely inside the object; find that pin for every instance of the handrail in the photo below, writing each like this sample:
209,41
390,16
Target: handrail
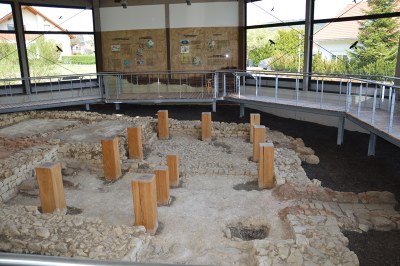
11,259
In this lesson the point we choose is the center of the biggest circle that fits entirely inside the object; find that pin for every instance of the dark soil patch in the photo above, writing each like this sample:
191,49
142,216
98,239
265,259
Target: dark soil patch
341,168
73,210
248,186
224,146
248,233
160,228
383,248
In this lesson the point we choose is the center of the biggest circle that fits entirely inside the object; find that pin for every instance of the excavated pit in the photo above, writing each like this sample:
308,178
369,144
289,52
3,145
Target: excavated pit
201,226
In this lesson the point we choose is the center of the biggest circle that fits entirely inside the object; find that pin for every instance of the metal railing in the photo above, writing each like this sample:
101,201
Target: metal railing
356,95
29,260
160,85
55,89
359,97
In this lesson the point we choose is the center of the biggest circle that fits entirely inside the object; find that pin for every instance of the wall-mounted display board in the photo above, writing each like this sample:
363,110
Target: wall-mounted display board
134,50
204,48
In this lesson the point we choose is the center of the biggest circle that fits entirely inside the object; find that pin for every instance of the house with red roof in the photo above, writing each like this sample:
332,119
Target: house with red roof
34,20
333,40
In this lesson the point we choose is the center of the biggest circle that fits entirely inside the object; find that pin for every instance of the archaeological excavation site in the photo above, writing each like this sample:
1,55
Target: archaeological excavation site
182,185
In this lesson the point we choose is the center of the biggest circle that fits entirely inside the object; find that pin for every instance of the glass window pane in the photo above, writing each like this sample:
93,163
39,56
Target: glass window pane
275,11
6,17
357,47
60,54
278,48
37,18
9,60
346,8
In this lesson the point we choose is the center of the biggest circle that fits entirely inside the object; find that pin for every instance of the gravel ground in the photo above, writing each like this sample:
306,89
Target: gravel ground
342,168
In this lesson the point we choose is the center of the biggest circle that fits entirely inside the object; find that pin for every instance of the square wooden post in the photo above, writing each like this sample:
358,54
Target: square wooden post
111,159
163,129
266,166
173,169
254,120
135,146
259,137
162,181
51,189
145,202
206,126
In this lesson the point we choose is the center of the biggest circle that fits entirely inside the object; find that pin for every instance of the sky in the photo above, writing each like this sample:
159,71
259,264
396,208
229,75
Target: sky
68,18
259,12
269,11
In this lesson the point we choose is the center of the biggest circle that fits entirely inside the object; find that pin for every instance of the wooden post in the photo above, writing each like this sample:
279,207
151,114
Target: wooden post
266,166
162,180
51,188
135,146
259,137
145,202
111,160
206,126
254,120
163,130
173,169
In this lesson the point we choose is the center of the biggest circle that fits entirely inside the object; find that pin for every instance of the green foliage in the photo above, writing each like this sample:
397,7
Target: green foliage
283,54
79,59
42,57
9,63
376,53
379,39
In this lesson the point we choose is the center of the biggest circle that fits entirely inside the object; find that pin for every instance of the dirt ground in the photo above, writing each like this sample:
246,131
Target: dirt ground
342,168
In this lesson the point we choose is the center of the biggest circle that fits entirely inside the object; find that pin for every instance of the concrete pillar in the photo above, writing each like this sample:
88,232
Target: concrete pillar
162,181
163,129
51,188
135,146
173,169
145,202
111,159
254,120
259,137
205,126
266,166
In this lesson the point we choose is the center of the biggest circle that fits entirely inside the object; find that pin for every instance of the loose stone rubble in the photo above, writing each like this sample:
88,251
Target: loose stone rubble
26,230
315,217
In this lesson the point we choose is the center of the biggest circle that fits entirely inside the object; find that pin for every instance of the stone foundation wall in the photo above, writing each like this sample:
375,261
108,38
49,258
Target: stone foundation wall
20,166
219,129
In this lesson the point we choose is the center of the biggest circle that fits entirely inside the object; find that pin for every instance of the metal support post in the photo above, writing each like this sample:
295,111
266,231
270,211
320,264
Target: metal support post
340,134
87,107
371,144
241,110
214,106
117,107
224,93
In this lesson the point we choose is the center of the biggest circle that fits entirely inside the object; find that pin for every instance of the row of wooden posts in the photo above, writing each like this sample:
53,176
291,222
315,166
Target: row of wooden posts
151,189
